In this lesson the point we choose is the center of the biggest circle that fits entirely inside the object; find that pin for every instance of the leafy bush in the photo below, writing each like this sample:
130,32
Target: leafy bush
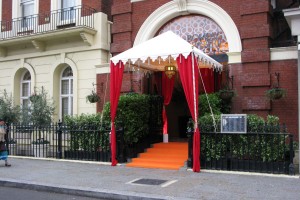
259,146
133,114
86,132
9,112
40,110
215,103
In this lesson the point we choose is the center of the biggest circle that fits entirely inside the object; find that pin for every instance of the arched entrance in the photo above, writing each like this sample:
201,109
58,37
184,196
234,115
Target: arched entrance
203,33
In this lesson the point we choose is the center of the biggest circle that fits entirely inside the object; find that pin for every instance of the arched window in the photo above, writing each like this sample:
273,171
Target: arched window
25,88
66,92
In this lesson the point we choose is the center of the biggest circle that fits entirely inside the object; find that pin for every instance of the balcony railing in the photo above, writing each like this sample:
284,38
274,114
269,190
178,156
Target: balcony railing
80,16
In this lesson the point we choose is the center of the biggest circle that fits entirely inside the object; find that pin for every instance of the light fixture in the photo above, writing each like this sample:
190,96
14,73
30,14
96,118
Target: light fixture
170,70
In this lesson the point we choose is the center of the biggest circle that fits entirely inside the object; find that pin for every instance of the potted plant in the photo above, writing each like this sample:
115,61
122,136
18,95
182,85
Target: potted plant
226,94
93,97
40,147
275,93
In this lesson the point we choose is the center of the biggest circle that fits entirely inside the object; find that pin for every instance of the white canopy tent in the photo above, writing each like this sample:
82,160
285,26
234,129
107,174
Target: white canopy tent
154,55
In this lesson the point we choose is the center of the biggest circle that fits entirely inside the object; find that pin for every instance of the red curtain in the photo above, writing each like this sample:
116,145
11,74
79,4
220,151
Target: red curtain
189,75
208,79
116,76
167,90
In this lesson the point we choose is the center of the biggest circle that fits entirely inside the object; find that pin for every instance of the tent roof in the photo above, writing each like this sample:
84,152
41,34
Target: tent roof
161,50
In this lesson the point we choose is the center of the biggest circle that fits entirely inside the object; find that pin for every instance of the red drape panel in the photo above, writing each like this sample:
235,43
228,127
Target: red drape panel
189,77
116,76
167,91
208,79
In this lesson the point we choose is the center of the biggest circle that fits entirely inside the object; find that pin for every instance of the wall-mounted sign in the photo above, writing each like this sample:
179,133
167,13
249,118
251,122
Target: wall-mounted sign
233,123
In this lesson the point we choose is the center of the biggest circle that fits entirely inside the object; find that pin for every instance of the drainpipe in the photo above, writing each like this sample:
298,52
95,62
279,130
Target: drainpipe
299,98
292,16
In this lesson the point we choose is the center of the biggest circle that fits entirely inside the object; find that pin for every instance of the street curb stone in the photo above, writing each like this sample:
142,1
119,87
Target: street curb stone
75,191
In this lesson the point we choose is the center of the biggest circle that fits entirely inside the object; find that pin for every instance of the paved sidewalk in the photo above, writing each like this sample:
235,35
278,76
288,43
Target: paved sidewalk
99,180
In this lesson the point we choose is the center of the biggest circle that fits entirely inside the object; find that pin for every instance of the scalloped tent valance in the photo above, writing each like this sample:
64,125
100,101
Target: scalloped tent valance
161,50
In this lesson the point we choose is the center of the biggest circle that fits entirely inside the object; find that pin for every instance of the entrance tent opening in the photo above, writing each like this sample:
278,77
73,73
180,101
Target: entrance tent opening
154,55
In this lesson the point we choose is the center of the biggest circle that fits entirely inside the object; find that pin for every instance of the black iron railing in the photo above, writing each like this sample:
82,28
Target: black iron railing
264,152
79,16
63,142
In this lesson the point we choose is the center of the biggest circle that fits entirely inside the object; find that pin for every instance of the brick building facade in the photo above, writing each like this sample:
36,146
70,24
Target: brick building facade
267,47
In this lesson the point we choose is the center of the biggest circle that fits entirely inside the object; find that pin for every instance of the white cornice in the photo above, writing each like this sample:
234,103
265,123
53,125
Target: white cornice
284,53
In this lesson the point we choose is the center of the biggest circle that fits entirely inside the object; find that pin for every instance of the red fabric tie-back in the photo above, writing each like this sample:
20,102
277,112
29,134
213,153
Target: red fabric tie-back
190,87
116,76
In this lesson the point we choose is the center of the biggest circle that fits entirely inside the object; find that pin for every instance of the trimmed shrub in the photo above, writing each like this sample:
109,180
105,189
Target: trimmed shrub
133,114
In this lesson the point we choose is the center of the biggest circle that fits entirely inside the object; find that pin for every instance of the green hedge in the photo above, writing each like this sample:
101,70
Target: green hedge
260,146
133,114
86,132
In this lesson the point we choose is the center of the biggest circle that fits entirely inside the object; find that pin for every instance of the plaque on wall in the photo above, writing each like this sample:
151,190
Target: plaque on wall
233,123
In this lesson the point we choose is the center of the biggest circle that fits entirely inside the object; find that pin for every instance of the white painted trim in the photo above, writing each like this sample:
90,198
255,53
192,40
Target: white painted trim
234,57
0,12
56,4
16,8
171,10
54,67
133,1
284,53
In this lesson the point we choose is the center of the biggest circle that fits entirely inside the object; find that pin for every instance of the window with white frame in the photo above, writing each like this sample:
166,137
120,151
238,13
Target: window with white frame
68,9
27,12
25,89
66,92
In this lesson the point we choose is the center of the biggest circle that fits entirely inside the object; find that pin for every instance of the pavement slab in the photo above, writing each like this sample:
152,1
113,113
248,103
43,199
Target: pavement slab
94,179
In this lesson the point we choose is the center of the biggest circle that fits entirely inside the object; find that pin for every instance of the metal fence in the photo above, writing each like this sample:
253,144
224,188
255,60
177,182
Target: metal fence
252,152
60,141
73,142
79,16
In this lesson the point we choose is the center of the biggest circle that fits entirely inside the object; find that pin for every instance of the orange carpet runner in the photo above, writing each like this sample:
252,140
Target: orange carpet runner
170,155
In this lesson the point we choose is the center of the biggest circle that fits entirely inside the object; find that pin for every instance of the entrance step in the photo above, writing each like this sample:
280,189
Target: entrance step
170,155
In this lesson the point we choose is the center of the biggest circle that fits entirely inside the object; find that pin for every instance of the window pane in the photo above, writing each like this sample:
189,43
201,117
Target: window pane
71,106
65,105
25,103
65,87
25,89
27,76
71,86
67,72
28,9
68,3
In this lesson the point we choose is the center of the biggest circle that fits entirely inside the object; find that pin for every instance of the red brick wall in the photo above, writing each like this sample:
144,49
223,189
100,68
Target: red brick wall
98,5
44,6
44,11
286,108
255,75
6,15
132,82
6,10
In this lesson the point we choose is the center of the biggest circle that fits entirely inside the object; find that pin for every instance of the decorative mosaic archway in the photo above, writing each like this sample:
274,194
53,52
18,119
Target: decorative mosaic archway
200,31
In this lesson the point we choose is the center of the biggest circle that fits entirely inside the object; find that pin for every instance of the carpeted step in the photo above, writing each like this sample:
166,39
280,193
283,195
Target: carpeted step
162,156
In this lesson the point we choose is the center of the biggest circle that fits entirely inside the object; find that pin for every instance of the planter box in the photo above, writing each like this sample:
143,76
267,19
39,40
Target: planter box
40,151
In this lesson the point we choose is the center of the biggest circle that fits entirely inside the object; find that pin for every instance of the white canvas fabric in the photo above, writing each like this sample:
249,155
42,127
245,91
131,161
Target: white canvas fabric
161,50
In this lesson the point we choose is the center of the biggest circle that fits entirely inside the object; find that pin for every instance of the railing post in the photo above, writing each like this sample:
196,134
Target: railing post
190,133
120,145
291,165
6,137
190,149
59,137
